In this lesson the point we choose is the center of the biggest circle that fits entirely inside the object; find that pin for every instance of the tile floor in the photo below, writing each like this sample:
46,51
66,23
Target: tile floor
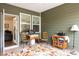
39,49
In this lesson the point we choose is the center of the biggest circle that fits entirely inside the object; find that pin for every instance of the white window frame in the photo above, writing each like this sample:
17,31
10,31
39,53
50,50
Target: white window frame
37,24
23,22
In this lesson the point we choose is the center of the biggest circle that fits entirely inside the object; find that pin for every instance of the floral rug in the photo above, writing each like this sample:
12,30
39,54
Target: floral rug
38,50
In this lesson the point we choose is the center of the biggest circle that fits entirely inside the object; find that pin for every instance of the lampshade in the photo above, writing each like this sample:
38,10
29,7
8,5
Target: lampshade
74,28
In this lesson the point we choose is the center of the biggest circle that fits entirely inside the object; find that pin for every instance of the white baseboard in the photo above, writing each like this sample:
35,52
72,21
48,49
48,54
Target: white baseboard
11,47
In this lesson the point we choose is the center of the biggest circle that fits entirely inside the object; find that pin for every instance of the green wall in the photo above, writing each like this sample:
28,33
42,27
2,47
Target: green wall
16,10
60,19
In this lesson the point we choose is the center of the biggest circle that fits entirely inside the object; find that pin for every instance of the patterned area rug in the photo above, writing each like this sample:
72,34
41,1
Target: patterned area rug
38,50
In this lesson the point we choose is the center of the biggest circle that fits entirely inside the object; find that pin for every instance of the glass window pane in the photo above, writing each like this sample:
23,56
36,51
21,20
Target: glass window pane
25,18
35,20
36,28
25,27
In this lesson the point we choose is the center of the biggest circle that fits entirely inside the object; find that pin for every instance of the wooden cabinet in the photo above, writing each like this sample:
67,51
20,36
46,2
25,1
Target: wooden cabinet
59,41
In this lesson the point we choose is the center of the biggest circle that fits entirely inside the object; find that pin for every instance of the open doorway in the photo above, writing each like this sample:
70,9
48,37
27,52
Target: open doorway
10,31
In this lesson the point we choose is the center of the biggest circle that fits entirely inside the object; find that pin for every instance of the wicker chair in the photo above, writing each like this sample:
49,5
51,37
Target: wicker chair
24,37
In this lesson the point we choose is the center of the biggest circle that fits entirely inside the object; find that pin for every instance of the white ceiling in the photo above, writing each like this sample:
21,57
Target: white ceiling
37,7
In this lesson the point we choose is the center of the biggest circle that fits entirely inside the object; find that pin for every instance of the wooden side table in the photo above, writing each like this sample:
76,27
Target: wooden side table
59,43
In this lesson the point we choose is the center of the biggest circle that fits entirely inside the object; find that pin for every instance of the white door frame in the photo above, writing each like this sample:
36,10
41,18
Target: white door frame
13,19
1,37
3,17
5,48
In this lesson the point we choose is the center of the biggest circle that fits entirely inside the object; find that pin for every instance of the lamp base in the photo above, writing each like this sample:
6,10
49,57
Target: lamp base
74,52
